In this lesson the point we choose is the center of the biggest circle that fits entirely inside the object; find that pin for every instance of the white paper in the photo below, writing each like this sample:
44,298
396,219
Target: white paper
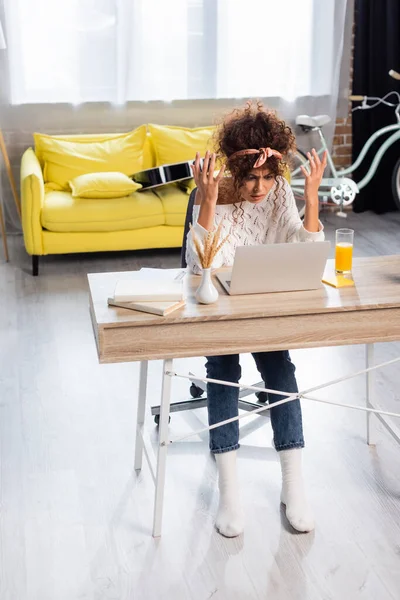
162,274
127,290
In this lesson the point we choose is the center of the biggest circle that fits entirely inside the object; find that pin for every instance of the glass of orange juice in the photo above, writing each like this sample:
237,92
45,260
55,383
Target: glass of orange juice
344,250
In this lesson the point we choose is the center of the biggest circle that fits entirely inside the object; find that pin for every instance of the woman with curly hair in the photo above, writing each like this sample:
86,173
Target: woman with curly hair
256,206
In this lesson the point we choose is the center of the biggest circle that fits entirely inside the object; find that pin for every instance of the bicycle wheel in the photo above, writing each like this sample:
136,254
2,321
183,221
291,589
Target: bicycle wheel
296,160
396,184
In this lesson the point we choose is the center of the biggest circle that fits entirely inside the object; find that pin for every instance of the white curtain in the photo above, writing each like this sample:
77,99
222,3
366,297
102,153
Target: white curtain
286,52
268,50
121,50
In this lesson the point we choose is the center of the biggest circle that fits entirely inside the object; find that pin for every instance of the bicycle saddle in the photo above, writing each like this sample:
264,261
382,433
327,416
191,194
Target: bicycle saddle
316,121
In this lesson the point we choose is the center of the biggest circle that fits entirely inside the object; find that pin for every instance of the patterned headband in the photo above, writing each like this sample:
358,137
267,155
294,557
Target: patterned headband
264,153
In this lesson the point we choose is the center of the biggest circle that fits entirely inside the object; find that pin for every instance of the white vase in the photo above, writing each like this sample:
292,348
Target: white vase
206,293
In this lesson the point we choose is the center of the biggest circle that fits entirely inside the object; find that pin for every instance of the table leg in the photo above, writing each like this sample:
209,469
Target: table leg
141,407
370,383
163,439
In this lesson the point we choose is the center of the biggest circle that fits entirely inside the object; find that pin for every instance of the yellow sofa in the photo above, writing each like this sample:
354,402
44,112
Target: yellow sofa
55,222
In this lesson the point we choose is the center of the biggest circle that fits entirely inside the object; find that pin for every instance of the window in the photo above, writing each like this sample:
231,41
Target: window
122,50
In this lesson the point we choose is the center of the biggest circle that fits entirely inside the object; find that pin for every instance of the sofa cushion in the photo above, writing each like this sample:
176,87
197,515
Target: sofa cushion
148,150
63,213
103,185
187,185
174,201
66,159
178,144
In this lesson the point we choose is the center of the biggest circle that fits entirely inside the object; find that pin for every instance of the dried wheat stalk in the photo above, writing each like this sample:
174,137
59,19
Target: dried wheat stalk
211,246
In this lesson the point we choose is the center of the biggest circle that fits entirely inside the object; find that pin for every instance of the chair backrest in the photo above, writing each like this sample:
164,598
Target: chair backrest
189,217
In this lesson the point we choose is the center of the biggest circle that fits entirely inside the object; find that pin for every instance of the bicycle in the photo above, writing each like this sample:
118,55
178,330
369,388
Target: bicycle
341,188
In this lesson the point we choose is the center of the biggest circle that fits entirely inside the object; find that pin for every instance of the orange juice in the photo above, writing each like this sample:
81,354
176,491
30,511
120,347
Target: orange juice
344,257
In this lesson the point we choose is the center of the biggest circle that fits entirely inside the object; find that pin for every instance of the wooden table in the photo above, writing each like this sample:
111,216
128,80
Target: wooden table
364,314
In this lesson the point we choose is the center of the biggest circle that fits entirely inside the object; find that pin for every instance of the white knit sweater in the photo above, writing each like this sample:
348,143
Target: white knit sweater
273,220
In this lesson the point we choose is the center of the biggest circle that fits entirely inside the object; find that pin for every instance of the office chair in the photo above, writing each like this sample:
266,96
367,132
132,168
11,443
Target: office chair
197,399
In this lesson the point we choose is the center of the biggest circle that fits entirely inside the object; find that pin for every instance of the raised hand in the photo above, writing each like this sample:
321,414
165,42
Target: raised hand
313,176
206,183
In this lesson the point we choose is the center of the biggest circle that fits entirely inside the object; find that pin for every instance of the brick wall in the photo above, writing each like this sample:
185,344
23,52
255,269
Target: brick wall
342,143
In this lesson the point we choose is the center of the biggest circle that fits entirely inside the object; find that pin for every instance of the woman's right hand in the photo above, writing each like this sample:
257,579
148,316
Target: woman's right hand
207,184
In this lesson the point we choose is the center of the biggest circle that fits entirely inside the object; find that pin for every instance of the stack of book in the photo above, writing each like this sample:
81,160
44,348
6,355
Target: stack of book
156,291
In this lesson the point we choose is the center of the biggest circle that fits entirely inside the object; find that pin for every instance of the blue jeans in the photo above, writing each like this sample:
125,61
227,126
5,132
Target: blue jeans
277,371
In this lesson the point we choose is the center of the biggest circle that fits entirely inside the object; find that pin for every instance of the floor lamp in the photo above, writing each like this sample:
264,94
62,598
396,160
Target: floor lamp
9,173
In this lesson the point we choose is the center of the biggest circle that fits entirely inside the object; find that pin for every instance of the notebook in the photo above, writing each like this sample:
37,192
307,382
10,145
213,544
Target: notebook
162,308
155,291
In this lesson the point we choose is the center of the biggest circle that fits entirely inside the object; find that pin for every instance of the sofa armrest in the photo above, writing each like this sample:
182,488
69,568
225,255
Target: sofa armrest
32,199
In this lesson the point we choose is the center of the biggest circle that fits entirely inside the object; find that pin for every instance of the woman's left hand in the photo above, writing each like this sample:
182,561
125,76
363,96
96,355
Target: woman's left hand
313,176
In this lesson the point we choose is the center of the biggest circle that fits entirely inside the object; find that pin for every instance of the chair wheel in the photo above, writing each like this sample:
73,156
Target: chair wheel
262,397
157,419
196,391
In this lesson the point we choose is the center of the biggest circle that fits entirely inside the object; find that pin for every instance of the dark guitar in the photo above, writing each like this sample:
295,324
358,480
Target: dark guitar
157,176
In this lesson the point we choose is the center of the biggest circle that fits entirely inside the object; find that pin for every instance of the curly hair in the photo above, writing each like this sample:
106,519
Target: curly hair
252,127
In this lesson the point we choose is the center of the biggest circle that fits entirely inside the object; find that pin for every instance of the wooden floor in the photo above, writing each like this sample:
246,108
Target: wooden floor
75,521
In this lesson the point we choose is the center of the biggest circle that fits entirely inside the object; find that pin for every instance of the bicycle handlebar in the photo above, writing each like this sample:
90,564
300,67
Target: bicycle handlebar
356,98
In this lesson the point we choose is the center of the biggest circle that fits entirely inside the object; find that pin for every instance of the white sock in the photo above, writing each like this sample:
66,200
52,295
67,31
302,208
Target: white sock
293,496
229,521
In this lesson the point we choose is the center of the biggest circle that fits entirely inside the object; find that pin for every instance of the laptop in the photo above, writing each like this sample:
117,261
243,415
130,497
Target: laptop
276,268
